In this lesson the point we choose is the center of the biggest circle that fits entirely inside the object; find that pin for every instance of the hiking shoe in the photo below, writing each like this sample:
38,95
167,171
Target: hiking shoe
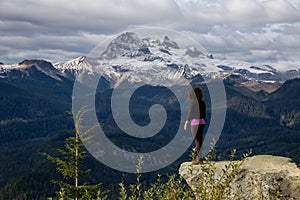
197,161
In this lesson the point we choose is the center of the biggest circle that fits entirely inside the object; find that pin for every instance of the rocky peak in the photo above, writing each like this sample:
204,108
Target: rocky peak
34,61
41,65
169,43
28,68
261,176
126,44
193,52
151,43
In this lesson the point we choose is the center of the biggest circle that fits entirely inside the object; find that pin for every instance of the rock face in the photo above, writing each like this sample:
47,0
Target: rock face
259,177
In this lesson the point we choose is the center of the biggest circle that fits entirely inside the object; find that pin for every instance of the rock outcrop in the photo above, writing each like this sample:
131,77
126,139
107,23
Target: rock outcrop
259,177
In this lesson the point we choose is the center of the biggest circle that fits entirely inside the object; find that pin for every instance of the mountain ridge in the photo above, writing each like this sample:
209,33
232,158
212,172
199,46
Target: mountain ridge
141,59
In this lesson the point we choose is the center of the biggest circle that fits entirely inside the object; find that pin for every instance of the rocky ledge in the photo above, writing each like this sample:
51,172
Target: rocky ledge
258,177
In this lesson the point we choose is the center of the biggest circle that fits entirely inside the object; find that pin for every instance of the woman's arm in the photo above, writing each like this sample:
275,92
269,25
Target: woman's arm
189,117
191,107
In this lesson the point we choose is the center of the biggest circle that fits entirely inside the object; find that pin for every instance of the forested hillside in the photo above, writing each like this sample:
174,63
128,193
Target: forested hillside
34,120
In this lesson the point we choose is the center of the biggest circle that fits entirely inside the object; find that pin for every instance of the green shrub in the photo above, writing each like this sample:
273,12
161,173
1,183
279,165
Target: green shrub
211,185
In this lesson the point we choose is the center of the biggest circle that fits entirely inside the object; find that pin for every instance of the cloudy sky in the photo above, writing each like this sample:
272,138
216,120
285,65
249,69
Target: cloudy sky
263,31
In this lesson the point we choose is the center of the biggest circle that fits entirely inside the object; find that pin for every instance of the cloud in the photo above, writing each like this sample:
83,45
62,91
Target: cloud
56,16
255,31
45,54
281,11
69,26
251,30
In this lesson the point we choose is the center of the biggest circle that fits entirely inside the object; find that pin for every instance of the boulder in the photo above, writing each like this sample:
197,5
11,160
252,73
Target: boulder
258,177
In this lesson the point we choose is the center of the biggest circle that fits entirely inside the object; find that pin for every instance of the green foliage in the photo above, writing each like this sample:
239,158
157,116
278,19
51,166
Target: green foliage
69,166
210,185
193,153
214,184
123,192
173,188
136,189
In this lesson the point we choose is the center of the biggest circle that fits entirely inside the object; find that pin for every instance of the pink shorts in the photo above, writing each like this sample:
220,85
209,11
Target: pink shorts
197,122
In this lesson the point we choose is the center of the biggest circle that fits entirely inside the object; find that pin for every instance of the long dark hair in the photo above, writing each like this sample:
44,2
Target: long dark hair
196,93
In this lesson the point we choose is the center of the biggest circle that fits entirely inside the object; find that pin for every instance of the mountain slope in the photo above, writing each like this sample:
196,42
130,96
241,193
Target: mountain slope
35,94
287,99
140,59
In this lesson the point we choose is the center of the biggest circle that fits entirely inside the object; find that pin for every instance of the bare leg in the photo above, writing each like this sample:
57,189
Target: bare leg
197,132
198,147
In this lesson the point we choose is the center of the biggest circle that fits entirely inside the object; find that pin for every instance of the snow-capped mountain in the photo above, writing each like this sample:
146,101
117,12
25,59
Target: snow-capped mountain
155,61
37,79
150,60
25,70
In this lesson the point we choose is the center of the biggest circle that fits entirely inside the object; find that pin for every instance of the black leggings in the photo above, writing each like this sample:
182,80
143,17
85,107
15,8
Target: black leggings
197,131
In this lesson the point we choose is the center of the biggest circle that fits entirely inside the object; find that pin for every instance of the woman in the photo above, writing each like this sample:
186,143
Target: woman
196,116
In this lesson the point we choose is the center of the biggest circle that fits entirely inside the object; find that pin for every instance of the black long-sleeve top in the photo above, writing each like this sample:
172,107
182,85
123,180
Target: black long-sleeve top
196,112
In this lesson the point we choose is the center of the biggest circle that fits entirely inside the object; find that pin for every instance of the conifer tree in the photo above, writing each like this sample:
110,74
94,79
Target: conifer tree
70,163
